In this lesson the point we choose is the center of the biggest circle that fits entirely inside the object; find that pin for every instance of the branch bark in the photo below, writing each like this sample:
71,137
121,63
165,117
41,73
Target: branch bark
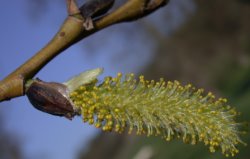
71,32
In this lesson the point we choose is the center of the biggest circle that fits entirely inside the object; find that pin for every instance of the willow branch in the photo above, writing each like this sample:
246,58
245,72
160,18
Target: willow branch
71,32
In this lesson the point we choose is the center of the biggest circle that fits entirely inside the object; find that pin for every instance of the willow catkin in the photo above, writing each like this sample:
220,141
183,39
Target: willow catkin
161,109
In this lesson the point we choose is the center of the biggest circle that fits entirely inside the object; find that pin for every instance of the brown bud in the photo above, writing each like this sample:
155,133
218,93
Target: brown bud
96,8
51,97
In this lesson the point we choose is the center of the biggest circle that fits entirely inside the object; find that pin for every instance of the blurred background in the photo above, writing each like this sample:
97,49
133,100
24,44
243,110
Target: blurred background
206,43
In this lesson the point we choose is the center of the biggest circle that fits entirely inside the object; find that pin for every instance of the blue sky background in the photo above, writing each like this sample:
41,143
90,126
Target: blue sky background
44,136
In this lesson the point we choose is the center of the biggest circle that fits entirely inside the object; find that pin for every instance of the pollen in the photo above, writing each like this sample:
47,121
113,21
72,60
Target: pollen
159,108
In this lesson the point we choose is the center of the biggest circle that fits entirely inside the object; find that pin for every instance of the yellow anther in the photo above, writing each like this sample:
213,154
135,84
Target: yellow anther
141,79
119,74
117,110
110,123
91,121
109,116
98,125
82,88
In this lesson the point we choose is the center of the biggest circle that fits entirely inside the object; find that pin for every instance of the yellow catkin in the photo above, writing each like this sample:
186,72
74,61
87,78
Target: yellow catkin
161,109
